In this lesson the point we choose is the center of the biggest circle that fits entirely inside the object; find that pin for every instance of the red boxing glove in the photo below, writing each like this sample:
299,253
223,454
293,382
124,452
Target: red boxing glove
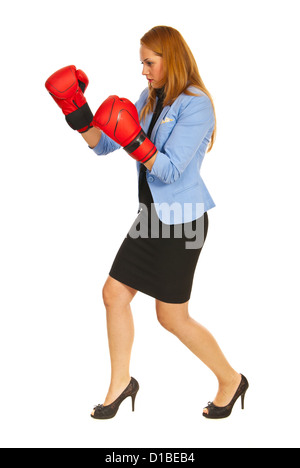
119,119
67,86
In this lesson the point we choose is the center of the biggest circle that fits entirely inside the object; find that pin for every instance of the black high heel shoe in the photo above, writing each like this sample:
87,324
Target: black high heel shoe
109,411
217,412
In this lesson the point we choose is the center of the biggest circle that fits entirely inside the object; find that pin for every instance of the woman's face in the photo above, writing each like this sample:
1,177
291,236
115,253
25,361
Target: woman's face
152,67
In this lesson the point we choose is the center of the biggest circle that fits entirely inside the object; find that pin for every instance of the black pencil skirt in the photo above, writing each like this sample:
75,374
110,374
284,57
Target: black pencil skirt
160,260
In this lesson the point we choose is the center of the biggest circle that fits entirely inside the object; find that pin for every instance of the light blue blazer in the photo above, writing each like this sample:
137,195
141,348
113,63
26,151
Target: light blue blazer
181,135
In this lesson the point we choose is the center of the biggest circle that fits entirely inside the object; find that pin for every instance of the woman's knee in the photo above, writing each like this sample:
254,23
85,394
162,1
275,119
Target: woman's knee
172,316
116,293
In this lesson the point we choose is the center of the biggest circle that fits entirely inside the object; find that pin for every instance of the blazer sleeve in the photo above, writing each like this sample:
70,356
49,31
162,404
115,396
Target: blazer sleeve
193,124
105,146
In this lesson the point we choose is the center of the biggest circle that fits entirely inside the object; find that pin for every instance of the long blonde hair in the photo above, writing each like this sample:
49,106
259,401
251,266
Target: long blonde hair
181,70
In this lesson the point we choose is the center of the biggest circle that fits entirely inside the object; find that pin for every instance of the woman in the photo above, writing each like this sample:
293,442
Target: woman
159,259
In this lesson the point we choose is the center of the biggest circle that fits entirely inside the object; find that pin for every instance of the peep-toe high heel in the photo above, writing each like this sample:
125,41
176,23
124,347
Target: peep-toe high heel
217,412
110,411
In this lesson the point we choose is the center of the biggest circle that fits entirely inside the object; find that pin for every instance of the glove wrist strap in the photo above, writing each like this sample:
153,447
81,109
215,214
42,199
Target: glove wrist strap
136,143
80,118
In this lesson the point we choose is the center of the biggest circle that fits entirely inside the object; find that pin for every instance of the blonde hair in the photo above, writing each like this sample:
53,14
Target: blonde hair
181,70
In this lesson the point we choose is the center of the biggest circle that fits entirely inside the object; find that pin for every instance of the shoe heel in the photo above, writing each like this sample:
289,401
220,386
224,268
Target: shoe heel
133,400
243,400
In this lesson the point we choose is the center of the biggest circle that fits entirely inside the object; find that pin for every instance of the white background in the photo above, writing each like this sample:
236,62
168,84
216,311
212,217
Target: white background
60,233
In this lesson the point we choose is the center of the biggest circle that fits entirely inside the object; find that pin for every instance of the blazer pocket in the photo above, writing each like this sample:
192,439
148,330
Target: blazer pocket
189,187
167,124
164,132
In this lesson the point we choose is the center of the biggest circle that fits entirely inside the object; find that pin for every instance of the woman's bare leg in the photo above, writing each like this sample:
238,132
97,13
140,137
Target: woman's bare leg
120,328
176,319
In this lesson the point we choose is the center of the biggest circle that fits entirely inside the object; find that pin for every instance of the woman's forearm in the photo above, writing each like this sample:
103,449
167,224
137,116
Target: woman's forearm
92,137
151,162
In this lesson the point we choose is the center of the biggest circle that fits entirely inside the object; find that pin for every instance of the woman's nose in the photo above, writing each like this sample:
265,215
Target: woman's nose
145,70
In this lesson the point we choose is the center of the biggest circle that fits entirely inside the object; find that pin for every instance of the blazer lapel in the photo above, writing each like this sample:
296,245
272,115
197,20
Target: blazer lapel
146,123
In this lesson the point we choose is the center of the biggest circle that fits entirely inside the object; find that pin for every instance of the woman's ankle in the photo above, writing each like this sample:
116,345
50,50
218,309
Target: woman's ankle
230,378
117,386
